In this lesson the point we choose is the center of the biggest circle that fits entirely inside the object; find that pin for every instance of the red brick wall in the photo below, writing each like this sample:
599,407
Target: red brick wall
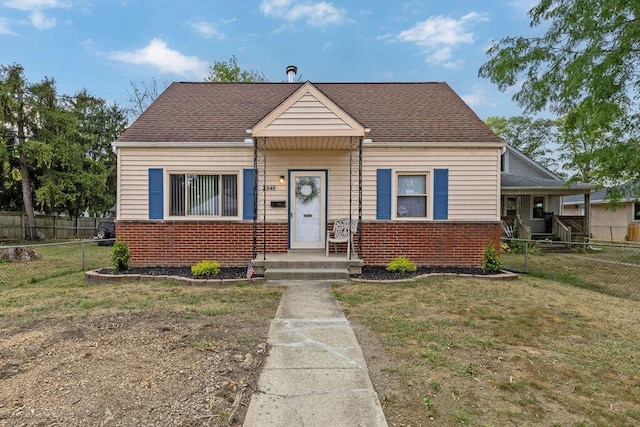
428,243
169,243
231,243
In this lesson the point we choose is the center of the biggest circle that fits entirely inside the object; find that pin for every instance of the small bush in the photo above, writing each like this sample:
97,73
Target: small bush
491,263
120,256
206,268
521,246
401,265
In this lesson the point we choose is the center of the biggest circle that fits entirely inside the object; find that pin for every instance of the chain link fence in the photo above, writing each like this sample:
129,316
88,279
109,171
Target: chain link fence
613,269
32,263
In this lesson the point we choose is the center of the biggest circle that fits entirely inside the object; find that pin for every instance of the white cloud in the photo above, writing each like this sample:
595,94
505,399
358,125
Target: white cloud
40,21
4,27
477,97
317,14
206,29
438,35
30,5
36,9
167,61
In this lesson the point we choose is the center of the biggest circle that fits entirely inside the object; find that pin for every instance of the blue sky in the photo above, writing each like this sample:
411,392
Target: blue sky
103,45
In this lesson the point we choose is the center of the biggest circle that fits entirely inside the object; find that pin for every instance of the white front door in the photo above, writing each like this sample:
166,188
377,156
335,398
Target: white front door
307,225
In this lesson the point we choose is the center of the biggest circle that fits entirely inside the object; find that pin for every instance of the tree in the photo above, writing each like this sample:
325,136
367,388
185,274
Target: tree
142,94
15,117
585,68
58,147
81,175
533,137
230,71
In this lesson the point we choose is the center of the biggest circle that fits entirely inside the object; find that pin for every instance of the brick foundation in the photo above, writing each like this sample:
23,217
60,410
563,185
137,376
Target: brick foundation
458,244
172,243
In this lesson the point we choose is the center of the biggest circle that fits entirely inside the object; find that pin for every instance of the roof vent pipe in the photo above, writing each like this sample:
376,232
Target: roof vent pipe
291,73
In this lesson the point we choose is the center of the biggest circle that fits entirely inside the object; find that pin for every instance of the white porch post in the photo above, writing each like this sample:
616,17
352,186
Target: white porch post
587,215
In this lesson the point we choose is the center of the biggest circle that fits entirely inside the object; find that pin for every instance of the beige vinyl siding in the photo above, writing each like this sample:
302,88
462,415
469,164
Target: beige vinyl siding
473,176
336,163
307,113
134,163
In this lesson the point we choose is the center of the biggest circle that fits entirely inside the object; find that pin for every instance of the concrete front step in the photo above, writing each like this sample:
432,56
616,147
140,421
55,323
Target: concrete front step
306,265
306,274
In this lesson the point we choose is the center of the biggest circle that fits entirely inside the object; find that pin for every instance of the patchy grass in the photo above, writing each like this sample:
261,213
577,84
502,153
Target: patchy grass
462,351
613,270
141,353
71,295
57,260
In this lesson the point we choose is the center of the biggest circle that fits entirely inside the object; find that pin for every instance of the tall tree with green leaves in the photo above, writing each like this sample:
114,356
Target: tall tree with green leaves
58,147
533,137
81,175
586,69
230,71
16,116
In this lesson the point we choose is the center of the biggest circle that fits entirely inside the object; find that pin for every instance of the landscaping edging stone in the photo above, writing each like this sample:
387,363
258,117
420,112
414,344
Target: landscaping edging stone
504,275
94,276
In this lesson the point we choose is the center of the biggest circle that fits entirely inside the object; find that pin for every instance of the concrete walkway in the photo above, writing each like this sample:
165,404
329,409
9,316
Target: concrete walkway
315,373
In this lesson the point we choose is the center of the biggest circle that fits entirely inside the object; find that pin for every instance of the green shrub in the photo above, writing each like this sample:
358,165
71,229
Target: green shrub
521,246
491,262
206,268
401,265
120,256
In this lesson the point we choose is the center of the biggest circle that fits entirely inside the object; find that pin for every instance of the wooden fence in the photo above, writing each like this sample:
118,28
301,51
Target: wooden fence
13,226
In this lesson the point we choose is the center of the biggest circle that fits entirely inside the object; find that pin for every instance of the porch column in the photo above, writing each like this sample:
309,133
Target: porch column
587,215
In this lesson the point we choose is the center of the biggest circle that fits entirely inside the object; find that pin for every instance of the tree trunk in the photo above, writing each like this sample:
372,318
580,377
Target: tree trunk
27,194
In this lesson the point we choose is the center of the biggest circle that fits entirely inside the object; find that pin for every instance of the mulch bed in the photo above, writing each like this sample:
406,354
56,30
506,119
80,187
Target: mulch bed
368,272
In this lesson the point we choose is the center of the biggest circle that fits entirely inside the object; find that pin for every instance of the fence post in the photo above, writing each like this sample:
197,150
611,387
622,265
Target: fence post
526,256
83,262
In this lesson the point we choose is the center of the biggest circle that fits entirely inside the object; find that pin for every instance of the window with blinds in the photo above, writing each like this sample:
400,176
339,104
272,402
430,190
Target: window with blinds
203,195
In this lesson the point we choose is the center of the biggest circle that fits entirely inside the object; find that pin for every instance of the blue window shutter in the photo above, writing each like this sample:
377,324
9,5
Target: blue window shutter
383,194
248,182
440,193
156,199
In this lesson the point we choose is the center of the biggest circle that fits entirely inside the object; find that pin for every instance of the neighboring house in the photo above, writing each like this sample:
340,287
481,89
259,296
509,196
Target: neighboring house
532,200
235,171
619,224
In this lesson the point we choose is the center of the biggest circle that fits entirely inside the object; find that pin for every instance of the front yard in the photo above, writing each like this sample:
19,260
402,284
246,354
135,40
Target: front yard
144,353
529,352
443,351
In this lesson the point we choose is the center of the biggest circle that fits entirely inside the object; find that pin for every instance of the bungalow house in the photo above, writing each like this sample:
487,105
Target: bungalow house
236,171
532,200
608,224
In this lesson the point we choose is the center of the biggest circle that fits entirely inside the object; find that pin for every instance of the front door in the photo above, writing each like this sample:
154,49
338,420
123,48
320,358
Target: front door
307,218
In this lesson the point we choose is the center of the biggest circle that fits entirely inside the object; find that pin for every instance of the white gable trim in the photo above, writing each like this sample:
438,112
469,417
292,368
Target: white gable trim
308,112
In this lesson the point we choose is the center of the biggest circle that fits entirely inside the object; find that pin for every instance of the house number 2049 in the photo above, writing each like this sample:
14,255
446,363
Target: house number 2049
268,188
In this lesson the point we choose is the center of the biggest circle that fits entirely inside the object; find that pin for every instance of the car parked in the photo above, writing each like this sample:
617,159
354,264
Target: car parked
105,233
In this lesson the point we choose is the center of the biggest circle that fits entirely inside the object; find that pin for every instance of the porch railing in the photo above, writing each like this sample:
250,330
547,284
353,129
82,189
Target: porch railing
562,231
524,231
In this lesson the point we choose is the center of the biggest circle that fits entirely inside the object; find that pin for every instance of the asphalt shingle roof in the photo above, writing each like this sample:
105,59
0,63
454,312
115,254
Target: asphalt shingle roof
395,112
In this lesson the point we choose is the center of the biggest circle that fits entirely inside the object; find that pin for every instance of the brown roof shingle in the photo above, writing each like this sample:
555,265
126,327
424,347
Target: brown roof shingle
395,112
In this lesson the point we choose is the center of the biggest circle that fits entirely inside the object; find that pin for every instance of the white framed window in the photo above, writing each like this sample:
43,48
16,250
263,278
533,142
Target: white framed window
636,211
412,196
203,195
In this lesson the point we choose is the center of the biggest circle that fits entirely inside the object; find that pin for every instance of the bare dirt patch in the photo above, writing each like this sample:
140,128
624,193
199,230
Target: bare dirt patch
131,368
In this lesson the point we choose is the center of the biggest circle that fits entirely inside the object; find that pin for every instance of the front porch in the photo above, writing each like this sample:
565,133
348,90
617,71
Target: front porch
306,265
563,228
